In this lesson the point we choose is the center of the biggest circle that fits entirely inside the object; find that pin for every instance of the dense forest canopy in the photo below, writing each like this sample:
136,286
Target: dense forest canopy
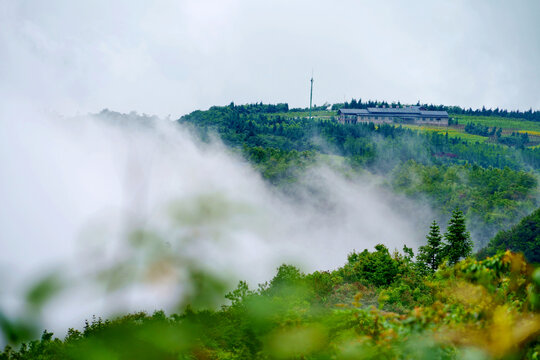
523,237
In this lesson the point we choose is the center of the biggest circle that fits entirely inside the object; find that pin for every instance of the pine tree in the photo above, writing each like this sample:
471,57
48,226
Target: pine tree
459,244
430,255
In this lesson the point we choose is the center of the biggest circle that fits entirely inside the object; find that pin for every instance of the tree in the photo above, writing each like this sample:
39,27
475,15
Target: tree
458,239
523,237
288,280
431,254
377,268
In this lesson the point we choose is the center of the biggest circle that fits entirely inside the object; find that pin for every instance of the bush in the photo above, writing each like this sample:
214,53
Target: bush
377,268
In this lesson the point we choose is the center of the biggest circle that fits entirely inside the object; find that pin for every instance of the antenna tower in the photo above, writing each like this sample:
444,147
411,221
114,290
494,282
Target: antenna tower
311,95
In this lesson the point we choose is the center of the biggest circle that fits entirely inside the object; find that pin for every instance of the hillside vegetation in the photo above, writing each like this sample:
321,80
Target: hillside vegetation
453,299
523,237
378,305
494,184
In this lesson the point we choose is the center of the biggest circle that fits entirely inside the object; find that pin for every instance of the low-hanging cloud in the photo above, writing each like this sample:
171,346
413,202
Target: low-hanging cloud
74,188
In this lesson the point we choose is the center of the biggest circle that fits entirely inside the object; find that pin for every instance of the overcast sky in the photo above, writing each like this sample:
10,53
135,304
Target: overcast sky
172,57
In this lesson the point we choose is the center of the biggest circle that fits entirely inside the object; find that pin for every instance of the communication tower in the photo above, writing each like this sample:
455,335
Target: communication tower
311,95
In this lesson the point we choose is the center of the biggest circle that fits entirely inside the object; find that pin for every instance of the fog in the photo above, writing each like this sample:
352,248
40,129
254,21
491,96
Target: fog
74,188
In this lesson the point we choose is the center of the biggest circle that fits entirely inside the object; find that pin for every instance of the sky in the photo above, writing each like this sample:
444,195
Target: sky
172,57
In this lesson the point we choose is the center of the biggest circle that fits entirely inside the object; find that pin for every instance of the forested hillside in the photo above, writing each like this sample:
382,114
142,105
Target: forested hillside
494,184
523,237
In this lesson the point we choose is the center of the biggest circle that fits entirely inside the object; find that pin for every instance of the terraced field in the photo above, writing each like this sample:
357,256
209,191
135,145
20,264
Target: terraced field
508,126
453,132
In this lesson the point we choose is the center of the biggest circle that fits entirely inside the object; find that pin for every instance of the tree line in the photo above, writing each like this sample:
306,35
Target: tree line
491,183
516,139
531,115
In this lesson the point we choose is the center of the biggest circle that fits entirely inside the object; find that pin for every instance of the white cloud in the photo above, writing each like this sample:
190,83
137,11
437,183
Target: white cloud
72,188
170,57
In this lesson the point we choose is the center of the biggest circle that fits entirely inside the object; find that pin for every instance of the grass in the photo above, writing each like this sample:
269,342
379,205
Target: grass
532,127
508,125
530,132
452,132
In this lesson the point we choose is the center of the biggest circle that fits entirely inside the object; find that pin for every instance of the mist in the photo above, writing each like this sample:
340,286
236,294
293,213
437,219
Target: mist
75,189
120,212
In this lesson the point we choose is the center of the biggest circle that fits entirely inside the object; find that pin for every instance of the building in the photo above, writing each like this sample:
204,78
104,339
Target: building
406,115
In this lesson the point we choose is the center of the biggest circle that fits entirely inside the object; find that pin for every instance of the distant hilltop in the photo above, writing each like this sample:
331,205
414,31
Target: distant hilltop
390,115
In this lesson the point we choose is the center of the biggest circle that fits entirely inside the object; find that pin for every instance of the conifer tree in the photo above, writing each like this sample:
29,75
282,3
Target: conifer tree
459,244
430,255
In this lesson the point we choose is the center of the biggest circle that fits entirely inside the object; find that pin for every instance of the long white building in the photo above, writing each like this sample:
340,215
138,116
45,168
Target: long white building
407,115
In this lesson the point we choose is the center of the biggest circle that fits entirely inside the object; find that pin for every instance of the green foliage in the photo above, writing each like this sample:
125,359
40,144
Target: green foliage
430,255
508,123
487,308
260,108
38,295
519,140
324,284
492,198
279,166
238,295
377,268
458,240
363,143
523,237
489,182
287,279
478,129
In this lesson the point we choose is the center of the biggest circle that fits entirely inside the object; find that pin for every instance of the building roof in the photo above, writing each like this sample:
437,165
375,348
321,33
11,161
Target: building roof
353,111
410,111
434,113
407,110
